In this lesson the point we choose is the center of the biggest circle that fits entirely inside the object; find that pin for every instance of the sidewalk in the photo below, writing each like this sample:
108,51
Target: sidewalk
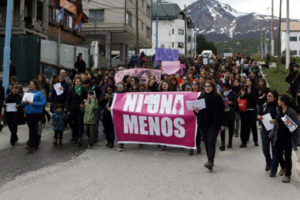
296,165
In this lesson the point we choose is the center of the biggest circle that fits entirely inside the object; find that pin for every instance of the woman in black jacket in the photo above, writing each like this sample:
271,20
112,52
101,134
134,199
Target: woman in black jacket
76,97
248,118
285,139
59,99
269,107
211,120
14,117
230,103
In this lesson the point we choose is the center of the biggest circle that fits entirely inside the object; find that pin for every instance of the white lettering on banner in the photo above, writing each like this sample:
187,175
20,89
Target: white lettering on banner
151,126
166,127
166,104
180,133
140,103
154,126
153,108
178,106
143,125
130,102
130,124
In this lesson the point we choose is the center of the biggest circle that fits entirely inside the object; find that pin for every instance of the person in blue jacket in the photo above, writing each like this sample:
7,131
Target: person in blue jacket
34,114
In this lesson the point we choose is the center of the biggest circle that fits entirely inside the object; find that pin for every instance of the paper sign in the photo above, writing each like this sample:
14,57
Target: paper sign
226,105
266,122
57,89
290,124
200,104
28,97
11,107
205,61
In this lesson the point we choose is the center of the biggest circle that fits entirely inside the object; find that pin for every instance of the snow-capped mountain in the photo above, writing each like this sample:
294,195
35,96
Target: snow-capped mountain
219,21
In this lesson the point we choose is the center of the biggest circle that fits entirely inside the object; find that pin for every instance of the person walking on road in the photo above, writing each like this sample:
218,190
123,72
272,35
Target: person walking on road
211,120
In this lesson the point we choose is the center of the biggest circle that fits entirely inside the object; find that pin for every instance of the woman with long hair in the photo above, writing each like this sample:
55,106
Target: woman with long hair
285,139
262,90
76,97
34,114
269,107
211,120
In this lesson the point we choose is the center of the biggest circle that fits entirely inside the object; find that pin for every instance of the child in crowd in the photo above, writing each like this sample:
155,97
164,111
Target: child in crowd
58,122
90,109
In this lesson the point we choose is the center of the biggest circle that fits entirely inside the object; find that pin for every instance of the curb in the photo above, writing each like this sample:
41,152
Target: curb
296,165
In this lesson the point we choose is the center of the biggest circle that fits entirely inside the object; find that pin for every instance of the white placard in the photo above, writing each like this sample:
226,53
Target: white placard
266,121
57,89
290,124
28,97
200,104
205,61
11,107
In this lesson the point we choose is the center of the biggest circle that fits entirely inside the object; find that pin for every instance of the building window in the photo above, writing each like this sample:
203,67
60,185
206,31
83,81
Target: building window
189,38
293,39
142,26
173,31
180,45
96,15
148,11
148,32
180,32
128,19
52,14
293,53
172,44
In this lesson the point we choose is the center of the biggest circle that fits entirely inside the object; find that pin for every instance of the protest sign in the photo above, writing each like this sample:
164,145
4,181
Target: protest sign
166,55
170,67
143,74
155,118
28,97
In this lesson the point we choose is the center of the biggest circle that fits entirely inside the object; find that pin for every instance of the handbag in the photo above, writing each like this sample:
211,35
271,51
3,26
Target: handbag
242,104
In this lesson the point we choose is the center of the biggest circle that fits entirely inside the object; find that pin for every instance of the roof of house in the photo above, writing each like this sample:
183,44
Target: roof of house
294,26
166,11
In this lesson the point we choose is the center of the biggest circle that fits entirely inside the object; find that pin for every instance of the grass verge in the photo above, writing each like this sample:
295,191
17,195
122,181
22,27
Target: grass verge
276,79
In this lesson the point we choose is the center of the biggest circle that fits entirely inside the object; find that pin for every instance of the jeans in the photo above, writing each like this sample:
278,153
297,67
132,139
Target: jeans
34,122
284,154
210,135
271,161
230,125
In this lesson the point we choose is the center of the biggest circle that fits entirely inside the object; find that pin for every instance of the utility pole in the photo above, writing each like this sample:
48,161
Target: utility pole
6,54
195,40
137,28
287,39
261,45
156,42
279,37
272,31
58,44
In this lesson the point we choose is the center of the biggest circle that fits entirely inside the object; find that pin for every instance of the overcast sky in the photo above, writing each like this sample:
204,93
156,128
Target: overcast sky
258,6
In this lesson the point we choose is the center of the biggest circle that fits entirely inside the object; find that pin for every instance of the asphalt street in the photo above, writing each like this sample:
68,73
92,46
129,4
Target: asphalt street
72,172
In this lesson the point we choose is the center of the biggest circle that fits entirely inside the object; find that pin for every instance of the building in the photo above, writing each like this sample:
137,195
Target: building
294,38
112,28
34,42
175,29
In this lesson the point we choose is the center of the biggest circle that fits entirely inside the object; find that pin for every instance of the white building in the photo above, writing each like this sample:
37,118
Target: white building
294,38
175,29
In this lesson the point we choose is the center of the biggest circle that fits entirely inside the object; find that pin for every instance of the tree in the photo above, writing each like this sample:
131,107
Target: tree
203,44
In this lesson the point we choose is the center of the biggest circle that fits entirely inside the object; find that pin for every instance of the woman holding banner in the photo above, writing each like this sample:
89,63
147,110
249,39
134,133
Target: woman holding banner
211,120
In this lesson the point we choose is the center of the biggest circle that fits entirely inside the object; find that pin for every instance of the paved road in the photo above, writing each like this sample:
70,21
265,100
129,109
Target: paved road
70,172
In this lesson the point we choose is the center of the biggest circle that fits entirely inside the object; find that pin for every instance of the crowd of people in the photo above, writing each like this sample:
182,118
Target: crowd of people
235,92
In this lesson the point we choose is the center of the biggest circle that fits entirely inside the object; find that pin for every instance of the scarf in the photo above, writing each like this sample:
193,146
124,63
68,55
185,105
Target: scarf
78,89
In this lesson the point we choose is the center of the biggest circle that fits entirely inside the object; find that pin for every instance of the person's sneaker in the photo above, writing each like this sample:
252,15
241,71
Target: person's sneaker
80,143
229,146
111,145
222,148
281,172
55,142
121,147
191,152
272,175
286,179
267,168
256,144
209,166
243,146
236,134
